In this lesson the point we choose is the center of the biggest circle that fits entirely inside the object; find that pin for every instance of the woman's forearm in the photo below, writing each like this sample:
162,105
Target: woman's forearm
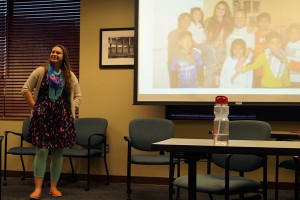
29,99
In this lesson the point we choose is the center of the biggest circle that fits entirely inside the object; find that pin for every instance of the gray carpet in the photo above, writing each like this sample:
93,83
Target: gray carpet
17,189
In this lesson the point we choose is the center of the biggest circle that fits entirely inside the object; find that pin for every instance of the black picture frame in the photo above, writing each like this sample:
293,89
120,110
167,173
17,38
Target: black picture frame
116,48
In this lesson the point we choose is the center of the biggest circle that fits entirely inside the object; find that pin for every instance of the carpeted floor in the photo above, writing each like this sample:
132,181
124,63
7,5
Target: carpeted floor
17,189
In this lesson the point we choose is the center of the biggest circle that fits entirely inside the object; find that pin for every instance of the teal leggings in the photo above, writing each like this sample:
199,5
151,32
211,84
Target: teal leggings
40,161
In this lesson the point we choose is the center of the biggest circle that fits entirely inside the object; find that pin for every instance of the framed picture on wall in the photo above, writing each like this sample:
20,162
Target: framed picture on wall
116,48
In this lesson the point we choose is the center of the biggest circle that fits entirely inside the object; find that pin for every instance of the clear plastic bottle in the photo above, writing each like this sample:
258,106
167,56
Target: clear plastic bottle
221,121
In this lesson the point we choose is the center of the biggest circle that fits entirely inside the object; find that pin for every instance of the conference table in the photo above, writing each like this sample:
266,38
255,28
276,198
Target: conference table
192,148
285,135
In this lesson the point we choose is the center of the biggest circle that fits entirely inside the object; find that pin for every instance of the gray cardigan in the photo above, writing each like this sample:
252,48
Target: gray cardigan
34,82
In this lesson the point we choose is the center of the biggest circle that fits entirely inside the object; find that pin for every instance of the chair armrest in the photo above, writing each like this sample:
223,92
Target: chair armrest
6,138
128,139
12,132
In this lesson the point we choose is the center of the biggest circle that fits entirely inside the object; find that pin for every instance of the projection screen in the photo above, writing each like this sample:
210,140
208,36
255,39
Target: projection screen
156,64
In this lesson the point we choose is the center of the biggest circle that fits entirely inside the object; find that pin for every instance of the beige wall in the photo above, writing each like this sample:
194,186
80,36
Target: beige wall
109,94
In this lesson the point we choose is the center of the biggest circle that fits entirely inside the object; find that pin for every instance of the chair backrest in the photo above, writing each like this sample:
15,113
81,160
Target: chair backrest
85,127
244,130
145,131
25,128
249,130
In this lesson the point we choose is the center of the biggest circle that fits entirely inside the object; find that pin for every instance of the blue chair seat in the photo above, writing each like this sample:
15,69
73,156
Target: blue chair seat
81,153
22,150
288,164
150,159
214,183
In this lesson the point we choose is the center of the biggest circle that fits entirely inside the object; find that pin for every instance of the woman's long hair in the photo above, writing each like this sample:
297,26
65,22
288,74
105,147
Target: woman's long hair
212,21
65,67
228,14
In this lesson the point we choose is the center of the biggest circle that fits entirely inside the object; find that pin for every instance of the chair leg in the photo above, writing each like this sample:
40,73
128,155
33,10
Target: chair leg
296,159
128,191
227,177
178,175
265,179
106,169
171,175
276,176
87,187
5,168
73,171
23,177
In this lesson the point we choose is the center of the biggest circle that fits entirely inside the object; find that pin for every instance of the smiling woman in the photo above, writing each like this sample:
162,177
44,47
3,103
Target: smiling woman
57,93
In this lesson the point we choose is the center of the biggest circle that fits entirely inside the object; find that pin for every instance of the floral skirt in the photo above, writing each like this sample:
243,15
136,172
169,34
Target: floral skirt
52,125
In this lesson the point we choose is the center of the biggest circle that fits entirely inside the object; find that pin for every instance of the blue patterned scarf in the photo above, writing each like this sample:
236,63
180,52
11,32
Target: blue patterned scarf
56,83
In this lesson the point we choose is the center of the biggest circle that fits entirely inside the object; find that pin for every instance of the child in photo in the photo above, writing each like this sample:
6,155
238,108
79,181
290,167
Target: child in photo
273,62
263,22
187,64
293,54
184,21
241,31
263,28
237,53
196,26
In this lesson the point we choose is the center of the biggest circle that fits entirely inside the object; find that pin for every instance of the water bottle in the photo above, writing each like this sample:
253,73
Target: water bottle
221,121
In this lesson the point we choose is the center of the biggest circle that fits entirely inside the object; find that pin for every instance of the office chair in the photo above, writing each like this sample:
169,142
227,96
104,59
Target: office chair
142,133
290,164
20,150
91,140
224,184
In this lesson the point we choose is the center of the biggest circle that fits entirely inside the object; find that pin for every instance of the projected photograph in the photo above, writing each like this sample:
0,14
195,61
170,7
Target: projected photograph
242,48
116,48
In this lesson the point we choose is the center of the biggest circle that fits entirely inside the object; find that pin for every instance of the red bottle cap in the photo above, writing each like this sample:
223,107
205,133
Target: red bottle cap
221,100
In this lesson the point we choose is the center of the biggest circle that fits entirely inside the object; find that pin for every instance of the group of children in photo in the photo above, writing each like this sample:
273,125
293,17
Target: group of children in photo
225,52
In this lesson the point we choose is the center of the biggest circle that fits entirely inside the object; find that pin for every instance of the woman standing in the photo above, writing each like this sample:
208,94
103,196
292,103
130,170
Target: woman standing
57,94
217,28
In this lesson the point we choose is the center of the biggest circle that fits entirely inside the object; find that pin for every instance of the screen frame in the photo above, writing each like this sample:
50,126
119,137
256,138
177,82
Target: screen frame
197,100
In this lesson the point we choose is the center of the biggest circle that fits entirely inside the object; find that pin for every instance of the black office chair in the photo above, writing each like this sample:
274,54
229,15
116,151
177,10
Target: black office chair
20,150
142,133
91,142
290,164
224,184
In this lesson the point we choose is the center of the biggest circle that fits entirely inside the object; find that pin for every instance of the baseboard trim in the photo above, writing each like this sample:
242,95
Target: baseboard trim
134,179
